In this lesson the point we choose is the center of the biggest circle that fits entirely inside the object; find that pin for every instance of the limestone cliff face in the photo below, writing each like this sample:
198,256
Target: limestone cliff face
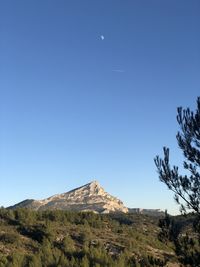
90,197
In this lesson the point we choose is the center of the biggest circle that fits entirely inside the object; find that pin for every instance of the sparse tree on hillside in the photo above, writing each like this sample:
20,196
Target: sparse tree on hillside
186,188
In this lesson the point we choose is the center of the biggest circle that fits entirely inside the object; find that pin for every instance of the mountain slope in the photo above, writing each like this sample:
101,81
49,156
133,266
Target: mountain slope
90,197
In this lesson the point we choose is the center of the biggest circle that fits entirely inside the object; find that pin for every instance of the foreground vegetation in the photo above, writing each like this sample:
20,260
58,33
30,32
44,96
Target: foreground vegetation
64,238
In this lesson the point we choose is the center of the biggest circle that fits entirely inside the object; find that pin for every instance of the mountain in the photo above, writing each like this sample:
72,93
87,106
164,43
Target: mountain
89,197
151,212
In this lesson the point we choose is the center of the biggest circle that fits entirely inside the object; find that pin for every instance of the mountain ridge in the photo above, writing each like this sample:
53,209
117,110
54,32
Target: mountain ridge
89,197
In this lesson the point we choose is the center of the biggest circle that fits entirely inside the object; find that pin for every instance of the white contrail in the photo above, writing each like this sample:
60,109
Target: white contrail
118,70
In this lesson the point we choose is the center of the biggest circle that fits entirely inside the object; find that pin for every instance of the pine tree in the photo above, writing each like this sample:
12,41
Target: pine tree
34,260
85,262
186,188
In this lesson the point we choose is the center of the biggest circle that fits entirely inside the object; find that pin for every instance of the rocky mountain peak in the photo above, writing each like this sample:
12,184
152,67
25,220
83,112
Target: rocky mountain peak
94,183
89,197
94,188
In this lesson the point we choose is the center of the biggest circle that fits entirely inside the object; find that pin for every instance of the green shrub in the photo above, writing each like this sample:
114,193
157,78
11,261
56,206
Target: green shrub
9,238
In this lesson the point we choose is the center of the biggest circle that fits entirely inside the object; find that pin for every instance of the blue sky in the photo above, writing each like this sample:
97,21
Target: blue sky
74,107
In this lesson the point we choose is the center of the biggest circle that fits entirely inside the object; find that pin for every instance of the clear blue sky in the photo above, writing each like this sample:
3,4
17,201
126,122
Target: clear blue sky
74,107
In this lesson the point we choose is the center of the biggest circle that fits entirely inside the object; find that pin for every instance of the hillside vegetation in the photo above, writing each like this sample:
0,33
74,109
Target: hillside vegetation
81,239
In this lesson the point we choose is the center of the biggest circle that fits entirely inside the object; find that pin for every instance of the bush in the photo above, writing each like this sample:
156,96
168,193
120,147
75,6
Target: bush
10,238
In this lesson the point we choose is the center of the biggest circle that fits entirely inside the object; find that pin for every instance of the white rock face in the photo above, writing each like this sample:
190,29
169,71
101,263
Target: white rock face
90,197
